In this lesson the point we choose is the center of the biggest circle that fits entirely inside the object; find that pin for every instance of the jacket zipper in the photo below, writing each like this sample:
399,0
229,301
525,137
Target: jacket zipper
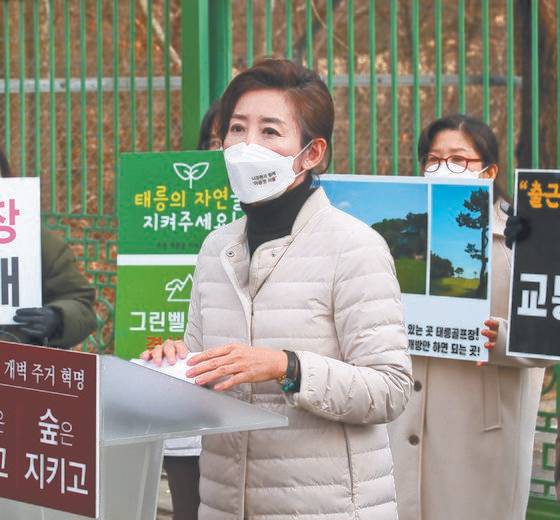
247,434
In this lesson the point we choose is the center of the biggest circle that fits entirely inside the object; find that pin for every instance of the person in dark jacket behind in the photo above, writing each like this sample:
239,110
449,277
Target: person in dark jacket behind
67,316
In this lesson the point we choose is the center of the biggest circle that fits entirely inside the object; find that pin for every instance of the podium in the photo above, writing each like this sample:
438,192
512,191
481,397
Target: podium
139,409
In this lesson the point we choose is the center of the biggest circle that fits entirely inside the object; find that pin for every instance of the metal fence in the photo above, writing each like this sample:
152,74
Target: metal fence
83,80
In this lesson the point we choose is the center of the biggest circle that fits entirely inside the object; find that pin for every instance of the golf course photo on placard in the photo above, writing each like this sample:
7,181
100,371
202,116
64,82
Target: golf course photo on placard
399,213
459,241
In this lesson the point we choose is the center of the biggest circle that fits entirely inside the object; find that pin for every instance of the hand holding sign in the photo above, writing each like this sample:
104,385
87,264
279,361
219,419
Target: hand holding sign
39,322
517,228
491,333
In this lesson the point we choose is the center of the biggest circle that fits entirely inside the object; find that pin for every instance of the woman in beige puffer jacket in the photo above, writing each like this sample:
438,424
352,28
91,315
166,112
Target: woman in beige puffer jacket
296,275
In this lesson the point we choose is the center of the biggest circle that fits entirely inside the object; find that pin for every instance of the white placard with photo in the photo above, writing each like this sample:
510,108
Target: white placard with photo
439,232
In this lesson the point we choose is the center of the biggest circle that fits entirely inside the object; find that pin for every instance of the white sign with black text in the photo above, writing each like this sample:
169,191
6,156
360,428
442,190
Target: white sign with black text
20,246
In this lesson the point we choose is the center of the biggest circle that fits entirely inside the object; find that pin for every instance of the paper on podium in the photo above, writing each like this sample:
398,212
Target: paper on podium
178,370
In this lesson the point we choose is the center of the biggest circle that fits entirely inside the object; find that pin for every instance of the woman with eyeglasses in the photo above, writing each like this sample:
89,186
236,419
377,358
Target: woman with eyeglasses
463,447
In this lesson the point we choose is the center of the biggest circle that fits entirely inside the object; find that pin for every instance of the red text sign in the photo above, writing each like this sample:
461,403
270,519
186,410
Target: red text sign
49,428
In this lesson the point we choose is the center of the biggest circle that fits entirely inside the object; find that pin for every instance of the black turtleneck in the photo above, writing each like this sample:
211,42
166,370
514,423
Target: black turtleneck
275,219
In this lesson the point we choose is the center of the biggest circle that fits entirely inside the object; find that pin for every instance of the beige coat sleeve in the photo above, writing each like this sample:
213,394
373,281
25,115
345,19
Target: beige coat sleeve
372,381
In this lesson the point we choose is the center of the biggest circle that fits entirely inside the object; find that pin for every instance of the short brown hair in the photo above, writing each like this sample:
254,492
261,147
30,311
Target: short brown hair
307,92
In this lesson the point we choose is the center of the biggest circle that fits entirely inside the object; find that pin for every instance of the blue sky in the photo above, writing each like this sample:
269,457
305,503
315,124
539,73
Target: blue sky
448,239
372,202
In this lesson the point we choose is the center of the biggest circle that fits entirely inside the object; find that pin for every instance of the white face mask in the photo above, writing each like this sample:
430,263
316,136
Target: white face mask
444,172
258,174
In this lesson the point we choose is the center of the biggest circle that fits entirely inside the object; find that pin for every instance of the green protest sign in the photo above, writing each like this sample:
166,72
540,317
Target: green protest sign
153,302
168,204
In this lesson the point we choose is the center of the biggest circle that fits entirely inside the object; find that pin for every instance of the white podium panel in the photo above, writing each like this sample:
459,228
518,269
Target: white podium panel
140,409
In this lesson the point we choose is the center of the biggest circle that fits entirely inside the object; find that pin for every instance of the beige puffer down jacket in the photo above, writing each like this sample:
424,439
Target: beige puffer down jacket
329,292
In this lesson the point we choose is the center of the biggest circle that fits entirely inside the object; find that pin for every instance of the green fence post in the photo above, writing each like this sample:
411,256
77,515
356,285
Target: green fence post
195,71
220,46
372,90
21,43
132,71
394,87
268,27
438,96
309,32
351,90
462,57
535,84
7,78
510,96
416,109
289,31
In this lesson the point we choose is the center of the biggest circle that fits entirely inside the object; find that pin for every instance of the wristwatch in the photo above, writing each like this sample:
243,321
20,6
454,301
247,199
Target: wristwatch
290,381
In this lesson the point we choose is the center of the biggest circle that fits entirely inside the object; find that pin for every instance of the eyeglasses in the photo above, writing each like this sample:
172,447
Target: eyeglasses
455,163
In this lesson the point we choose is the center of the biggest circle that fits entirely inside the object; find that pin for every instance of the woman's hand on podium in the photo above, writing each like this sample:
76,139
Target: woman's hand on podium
232,365
170,350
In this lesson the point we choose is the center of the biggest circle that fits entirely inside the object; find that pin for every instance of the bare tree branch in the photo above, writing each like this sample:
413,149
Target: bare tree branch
175,58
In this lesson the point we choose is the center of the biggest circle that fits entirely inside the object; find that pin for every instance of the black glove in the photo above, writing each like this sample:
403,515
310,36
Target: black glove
517,228
39,322
11,337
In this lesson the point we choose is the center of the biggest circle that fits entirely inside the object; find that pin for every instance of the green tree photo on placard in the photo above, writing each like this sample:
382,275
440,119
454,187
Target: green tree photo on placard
476,217
407,240
459,244
404,227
